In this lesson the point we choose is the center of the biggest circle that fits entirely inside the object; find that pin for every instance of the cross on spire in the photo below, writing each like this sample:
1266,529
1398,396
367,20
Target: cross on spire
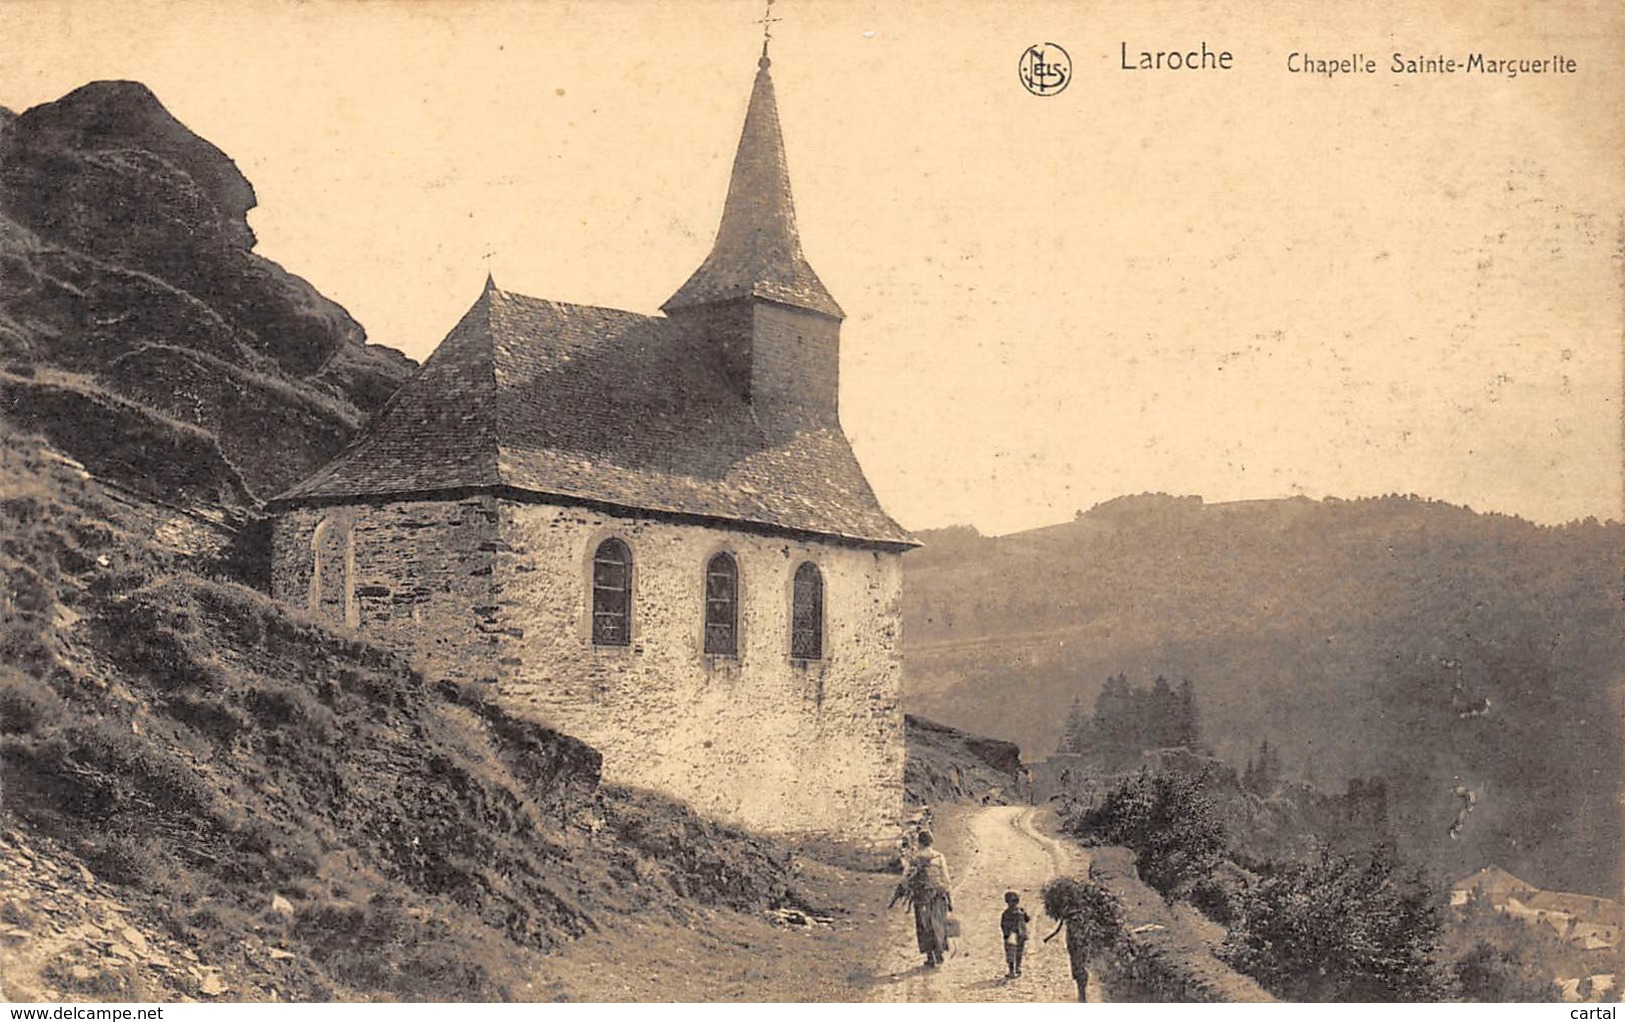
757,252
767,21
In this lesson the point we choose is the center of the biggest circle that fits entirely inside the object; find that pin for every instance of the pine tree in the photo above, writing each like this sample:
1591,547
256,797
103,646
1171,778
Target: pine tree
1162,716
1189,733
1263,770
1269,768
1114,721
1076,737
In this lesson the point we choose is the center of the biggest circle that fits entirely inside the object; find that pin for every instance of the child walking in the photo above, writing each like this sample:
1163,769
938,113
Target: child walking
1013,923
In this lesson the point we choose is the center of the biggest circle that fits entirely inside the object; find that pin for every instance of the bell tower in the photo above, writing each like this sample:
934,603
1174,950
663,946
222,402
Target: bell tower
755,302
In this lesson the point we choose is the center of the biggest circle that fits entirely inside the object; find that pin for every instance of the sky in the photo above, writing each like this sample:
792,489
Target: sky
1239,284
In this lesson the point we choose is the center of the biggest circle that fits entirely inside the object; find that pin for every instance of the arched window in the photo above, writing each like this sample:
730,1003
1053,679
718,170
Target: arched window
332,571
612,594
807,613
722,605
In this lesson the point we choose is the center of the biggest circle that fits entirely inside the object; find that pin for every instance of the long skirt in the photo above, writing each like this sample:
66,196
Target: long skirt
931,920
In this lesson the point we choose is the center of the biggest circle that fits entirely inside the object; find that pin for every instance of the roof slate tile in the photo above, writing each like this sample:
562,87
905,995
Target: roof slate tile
599,405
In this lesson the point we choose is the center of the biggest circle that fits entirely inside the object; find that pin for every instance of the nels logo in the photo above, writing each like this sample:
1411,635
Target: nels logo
1045,69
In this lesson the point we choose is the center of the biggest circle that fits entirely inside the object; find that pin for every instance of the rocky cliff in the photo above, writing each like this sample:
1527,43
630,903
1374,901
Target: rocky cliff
945,764
127,268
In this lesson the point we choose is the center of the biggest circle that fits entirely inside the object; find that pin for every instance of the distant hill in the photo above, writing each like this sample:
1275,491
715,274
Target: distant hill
1474,661
128,278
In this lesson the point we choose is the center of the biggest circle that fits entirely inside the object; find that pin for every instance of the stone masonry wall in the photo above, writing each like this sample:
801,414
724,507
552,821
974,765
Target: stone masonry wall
794,375
415,574
758,739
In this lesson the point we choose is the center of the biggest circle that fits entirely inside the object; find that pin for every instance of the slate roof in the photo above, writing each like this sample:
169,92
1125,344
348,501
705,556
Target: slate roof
580,403
597,405
757,251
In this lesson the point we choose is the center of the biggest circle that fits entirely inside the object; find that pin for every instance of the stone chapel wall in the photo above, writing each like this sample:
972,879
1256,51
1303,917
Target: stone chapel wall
414,574
481,589
758,739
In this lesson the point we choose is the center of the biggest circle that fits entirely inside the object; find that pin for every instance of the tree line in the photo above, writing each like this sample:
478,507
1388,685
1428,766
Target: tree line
1128,719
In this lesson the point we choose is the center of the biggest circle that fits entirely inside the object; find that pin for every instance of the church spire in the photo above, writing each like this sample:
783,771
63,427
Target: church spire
757,252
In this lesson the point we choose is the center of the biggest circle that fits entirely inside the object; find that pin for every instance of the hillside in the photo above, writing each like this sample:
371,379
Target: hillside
208,794
127,271
1429,645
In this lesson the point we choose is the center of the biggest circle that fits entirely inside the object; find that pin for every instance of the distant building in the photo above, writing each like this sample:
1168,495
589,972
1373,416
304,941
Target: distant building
1589,922
1494,883
1582,906
649,532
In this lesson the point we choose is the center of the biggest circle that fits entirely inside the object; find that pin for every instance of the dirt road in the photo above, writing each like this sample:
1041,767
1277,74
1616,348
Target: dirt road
990,850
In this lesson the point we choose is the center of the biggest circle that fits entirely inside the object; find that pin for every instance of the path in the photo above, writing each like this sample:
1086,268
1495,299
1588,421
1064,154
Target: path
990,850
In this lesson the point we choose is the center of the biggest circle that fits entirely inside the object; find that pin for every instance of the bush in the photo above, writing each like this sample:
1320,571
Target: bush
136,861
1340,929
209,715
27,706
1087,904
1489,975
1167,821
1220,901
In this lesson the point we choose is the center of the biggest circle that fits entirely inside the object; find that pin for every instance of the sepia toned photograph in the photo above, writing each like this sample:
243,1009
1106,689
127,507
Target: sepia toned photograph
812,501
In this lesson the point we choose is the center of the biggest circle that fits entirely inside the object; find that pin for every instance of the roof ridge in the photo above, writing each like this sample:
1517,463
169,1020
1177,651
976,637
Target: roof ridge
530,395
554,303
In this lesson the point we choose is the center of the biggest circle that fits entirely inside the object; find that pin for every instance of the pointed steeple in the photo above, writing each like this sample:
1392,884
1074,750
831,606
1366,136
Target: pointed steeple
757,252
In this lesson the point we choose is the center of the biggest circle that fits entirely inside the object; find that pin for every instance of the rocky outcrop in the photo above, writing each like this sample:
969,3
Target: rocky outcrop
126,255
945,764
159,459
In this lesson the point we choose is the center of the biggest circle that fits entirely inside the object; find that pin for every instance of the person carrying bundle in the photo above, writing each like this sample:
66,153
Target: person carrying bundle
925,886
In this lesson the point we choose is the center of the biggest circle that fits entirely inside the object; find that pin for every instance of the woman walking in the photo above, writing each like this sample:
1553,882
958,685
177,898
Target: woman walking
925,885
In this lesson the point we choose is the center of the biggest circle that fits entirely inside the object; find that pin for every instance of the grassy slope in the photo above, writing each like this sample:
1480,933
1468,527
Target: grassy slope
204,750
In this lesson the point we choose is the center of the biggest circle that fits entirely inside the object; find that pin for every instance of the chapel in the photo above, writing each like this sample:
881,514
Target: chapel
646,531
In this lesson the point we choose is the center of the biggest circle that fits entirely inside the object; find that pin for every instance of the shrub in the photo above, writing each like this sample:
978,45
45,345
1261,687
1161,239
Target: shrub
27,706
285,706
133,860
219,720
1342,928
1488,974
1167,821
1220,901
106,769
